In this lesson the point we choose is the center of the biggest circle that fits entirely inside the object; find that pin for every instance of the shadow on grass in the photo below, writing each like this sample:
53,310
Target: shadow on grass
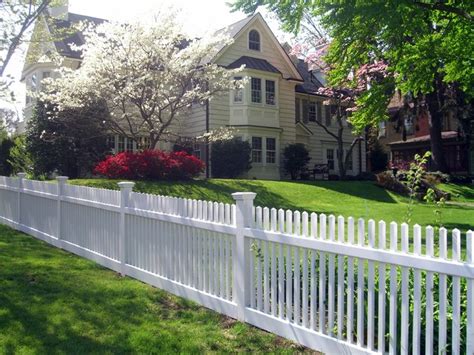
362,189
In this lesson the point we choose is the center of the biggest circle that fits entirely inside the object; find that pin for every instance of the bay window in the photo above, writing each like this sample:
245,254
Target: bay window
270,92
270,150
256,90
256,149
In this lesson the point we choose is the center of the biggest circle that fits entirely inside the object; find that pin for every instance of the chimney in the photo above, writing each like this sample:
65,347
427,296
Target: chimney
286,46
59,10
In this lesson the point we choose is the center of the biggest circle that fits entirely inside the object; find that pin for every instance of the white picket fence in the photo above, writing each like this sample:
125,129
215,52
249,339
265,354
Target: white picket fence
329,283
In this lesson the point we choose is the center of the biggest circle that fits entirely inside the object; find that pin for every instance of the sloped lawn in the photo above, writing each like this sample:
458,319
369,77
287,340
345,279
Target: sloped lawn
346,198
52,302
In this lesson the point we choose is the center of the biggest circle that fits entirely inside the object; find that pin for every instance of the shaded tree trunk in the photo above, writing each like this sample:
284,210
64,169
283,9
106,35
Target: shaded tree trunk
436,127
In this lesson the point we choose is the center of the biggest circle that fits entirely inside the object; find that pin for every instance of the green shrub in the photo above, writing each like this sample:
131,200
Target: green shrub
295,159
231,158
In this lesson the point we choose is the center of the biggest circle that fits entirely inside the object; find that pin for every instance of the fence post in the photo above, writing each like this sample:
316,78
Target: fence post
125,191
470,295
21,177
62,180
243,219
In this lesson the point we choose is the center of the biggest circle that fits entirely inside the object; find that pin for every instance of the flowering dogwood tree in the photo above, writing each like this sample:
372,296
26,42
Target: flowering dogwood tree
150,75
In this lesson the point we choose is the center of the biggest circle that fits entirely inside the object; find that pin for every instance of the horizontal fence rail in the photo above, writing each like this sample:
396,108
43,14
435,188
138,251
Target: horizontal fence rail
334,284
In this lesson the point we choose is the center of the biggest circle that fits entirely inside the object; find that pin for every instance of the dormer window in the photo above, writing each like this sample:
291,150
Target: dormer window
254,40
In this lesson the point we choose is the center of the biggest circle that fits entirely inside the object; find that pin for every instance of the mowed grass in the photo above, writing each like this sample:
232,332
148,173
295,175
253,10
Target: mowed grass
347,198
53,302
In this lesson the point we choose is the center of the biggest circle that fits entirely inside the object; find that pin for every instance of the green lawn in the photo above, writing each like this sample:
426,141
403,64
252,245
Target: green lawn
347,198
52,302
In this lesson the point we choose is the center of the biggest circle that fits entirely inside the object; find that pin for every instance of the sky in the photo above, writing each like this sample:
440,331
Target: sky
196,16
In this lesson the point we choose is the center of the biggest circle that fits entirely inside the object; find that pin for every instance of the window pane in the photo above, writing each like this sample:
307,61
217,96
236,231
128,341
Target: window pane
330,158
271,144
297,110
129,145
254,40
256,86
270,92
238,93
121,144
257,143
257,149
271,150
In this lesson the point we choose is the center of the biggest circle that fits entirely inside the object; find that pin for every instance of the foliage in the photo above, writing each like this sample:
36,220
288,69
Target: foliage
431,197
20,159
150,164
69,143
6,144
230,159
425,47
18,18
378,157
414,177
56,302
295,159
150,75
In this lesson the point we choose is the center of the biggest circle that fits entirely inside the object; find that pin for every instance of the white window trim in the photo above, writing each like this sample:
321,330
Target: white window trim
260,40
263,102
264,163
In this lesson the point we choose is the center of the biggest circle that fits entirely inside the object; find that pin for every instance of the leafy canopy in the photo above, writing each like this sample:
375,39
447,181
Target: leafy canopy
424,43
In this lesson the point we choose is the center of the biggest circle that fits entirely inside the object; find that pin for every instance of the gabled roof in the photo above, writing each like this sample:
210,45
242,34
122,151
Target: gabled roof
77,38
253,63
238,27
311,83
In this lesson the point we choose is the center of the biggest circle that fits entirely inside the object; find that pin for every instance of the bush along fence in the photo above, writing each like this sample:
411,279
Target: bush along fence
333,284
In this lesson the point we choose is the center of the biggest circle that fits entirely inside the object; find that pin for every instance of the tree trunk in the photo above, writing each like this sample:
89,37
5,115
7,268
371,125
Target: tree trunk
436,126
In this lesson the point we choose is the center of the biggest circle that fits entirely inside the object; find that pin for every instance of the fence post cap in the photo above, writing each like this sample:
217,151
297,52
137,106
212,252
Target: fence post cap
21,175
126,185
244,196
62,179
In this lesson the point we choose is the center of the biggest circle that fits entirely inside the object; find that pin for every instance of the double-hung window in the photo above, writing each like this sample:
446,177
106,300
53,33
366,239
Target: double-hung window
330,158
256,149
256,88
270,150
129,145
270,92
238,93
121,144
297,110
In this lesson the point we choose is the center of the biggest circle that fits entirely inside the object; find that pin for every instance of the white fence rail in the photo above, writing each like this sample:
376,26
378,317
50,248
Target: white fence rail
333,284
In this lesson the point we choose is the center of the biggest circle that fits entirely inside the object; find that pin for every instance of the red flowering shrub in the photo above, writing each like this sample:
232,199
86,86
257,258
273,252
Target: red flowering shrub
150,164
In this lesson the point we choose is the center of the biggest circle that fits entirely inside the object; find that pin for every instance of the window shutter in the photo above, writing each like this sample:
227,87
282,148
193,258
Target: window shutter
305,111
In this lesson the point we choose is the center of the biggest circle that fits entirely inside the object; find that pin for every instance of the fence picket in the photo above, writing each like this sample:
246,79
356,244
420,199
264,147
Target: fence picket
393,292
405,301
350,282
360,285
340,280
322,277
381,310
456,300
416,293
443,249
275,269
371,290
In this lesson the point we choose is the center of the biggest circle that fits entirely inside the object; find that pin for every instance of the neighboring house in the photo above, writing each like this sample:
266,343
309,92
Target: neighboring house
405,135
278,106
